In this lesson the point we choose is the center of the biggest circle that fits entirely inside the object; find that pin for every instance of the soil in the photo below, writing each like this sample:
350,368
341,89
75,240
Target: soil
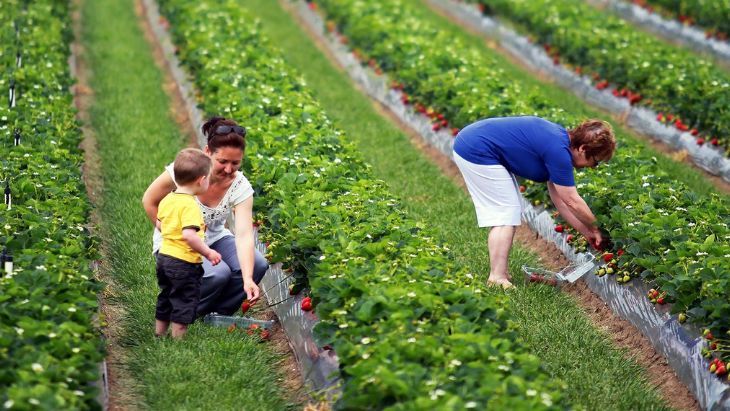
677,155
623,334
291,381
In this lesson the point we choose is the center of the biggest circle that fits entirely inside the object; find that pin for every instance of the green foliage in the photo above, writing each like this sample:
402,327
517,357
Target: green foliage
49,345
712,15
410,329
669,78
643,209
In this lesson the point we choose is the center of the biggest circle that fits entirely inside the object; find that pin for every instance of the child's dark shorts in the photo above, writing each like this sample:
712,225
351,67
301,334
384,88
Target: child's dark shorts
179,283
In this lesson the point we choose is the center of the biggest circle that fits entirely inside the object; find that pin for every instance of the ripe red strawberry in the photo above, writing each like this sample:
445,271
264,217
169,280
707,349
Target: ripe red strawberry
559,228
454,131
608,257
680,126
404,98
252,329
436,127
670,117
265,335
660,117
616,93
694,132
635,98
620,252
245,306
714,141
721,370
444,123
709,336
569,238
440,116
713,346
523,189
660,300
307,304
312,5
700,141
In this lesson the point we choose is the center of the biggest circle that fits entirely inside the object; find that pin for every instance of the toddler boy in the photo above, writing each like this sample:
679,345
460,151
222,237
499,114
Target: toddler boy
179,261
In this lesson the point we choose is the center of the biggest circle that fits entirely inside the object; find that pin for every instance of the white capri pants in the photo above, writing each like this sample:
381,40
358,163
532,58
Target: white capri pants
494,191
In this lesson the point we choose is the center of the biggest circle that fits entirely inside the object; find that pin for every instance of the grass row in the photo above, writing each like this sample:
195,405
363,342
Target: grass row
137,137
551,324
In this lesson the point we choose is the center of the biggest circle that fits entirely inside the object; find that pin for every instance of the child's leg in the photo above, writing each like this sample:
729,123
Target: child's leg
179,330
164,307
185,279
161,327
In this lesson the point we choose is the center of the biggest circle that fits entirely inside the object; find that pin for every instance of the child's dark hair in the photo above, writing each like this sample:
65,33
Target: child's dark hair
223,132
191,164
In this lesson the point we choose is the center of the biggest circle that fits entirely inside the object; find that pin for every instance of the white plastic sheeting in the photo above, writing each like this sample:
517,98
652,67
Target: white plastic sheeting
673,30
643,120
680,344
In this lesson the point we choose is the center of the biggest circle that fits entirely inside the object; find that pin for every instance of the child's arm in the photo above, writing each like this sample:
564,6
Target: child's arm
196,243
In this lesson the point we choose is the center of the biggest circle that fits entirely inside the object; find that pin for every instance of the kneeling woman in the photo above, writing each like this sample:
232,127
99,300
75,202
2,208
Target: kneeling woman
226,285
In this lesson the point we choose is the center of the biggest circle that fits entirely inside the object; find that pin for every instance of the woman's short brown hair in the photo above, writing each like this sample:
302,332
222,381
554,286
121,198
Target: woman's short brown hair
596,136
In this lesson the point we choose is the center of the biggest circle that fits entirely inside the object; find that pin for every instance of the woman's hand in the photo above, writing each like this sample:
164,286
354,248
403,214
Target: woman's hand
252,290
595,239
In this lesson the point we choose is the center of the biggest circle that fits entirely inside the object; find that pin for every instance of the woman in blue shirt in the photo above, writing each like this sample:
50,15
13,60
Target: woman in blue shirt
490,152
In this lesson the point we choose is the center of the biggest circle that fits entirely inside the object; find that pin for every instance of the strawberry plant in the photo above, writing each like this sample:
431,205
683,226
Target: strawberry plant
49,343
714,16
641,68
669,235
401,341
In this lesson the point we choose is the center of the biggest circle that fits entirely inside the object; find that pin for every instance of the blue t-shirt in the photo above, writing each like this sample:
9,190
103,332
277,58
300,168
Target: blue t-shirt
529,147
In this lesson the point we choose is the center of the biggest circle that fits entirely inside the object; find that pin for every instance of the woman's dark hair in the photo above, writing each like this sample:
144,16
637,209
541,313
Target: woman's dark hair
222,132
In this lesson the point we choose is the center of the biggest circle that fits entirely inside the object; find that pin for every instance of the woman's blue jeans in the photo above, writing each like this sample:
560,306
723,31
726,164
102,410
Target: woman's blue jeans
222,288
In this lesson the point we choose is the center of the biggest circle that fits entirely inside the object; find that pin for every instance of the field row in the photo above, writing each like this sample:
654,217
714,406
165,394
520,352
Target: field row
49,343
371,269
690,92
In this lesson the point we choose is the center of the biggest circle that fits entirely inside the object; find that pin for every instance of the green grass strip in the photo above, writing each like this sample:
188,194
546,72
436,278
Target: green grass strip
550,323
210,369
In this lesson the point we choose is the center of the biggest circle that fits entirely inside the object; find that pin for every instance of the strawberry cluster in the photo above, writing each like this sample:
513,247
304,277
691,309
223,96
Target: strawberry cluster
677,122
716,349
621,268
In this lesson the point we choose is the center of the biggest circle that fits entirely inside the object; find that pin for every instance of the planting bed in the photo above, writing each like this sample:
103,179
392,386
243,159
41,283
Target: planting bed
48,338
627,105
390,336
360,32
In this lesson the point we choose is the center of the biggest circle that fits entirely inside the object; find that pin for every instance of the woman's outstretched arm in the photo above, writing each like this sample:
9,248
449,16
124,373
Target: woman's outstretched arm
245,246
159,188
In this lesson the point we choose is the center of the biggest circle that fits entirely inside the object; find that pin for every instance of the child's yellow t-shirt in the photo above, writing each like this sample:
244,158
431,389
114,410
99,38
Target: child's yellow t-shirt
176,212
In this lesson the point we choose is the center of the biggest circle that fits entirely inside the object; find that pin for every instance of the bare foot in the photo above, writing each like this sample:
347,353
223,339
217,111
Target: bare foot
501,282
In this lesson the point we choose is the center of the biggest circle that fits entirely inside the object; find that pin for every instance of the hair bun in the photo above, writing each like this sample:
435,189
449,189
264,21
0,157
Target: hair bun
209,125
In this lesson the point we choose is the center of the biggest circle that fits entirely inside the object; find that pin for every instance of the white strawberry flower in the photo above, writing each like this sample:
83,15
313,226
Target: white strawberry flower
37,367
